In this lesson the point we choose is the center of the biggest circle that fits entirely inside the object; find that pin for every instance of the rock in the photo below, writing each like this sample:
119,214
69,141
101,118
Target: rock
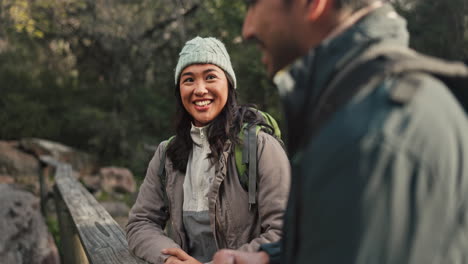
116,208
19,166
115,179
82,162
5,179
92,182
25,238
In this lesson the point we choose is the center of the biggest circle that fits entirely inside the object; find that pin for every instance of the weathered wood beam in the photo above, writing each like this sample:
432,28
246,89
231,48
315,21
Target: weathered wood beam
71,250
101,237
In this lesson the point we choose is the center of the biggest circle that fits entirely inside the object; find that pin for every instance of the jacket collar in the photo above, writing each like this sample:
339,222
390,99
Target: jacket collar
301,83
314,70
199,135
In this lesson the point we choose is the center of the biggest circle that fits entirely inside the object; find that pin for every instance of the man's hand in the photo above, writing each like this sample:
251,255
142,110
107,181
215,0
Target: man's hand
178,256
227,256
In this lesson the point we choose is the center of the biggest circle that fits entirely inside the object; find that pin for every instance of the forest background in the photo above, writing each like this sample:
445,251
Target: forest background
98,74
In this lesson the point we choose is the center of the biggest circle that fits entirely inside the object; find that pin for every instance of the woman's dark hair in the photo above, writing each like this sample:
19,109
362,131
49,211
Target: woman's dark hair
226,126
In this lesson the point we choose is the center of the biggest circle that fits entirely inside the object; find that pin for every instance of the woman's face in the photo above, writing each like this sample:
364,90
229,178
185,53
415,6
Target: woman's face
204,92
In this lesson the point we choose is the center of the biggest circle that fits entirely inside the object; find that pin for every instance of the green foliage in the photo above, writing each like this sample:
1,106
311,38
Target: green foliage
439,28
224,20
98,74
54,228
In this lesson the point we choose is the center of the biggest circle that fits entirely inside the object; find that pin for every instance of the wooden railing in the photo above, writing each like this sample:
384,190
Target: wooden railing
88,234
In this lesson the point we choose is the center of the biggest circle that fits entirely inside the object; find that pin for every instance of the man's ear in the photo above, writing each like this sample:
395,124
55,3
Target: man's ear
317,8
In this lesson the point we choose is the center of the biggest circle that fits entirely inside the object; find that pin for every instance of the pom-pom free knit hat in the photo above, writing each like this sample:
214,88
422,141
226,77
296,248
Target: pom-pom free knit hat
205,51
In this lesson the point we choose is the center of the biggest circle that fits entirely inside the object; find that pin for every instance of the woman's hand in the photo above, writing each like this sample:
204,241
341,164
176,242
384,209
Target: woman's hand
178,256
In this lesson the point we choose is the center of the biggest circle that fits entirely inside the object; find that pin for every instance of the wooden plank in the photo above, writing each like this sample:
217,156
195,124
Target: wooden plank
71,250
49,160
102,238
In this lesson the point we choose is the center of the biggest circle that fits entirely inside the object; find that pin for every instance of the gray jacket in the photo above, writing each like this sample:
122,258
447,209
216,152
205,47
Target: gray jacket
381,181
234,225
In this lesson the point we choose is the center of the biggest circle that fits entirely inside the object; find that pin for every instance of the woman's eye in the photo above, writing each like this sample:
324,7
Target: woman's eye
188,80
211,77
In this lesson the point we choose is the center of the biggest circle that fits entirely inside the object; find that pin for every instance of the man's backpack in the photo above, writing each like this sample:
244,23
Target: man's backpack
378,63
245,154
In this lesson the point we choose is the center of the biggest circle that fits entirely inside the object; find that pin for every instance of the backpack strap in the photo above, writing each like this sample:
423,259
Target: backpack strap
373,66
252,147
162,168
246,161
246,157
401,60
162,164
162,161
452,73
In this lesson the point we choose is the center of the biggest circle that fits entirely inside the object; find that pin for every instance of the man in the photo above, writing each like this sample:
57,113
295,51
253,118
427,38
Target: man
381,178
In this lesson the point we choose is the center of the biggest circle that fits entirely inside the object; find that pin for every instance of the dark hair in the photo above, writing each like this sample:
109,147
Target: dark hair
226,126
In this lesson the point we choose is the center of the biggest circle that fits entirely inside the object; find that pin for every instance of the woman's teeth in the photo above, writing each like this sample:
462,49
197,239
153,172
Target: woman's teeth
202,103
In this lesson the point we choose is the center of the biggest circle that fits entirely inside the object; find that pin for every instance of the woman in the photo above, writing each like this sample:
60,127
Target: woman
201,199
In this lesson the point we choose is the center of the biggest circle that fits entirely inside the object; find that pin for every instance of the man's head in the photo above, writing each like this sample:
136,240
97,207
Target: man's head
288,29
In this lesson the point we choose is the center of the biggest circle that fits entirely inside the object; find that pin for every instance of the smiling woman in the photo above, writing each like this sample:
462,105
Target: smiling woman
200,195
203,90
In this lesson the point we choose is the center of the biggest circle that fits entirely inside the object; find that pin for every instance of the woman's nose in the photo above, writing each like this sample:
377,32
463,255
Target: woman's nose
200,89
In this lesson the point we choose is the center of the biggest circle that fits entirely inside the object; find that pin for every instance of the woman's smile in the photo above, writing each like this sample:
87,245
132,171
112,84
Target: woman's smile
204,92
203,105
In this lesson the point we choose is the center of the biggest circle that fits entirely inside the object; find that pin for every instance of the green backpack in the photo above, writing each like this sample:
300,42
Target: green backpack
245,154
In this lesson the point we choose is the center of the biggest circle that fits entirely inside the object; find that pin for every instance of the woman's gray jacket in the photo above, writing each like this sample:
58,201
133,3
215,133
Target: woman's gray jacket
234,225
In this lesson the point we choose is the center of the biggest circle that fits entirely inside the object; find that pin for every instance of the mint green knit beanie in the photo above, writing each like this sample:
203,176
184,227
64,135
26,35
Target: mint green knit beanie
205,51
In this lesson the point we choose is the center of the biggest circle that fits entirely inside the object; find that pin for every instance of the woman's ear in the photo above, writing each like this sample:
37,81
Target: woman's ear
317,8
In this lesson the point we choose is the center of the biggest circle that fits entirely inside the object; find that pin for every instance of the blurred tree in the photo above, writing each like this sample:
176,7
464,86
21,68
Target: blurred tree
224,20
439,28
93,74
98,74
